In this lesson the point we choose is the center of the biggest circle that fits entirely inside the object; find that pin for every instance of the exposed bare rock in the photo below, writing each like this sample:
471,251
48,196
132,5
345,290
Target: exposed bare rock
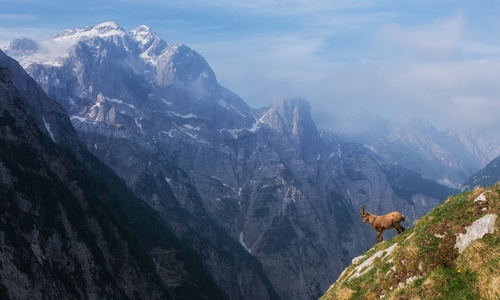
476,230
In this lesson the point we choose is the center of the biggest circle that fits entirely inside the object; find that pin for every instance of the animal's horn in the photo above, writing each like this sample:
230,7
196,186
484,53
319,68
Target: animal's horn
362,210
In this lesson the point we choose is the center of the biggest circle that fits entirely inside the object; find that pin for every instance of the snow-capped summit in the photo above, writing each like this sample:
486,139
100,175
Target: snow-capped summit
102,30
108,31
52,51
144,35
150,43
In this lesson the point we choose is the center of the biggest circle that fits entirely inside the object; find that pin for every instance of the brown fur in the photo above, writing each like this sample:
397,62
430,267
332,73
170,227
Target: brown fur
385,222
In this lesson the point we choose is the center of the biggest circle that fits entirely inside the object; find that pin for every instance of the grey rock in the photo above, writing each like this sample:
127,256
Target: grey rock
476,230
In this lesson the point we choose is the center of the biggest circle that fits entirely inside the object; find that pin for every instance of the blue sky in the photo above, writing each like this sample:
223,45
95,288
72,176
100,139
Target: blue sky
396,59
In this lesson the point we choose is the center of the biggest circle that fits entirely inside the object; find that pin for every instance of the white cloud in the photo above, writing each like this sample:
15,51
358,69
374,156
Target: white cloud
439,37
390,58
17,17
459,95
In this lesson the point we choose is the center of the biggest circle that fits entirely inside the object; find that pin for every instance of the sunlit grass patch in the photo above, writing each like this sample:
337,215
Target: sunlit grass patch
482,257
425,264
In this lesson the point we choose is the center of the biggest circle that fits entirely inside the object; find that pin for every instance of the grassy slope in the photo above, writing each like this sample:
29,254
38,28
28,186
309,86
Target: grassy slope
424,264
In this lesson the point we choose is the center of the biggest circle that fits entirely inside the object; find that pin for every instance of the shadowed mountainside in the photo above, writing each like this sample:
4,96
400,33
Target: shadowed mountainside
69,227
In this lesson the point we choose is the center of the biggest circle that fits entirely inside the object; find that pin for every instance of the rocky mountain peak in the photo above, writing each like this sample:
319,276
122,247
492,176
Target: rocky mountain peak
179,63
23,46
150,43
99,37
101,30
292,116
293,121
144,35
53,51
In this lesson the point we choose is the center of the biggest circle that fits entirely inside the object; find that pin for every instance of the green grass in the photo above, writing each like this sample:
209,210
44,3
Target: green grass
426,265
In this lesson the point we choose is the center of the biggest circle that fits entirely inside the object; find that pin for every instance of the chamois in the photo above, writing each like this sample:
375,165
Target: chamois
381,223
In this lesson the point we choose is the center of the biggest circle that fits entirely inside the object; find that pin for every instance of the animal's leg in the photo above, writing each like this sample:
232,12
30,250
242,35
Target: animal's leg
398,228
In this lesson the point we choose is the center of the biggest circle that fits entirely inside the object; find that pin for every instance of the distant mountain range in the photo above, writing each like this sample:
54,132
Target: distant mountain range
487,176
268,202
444,156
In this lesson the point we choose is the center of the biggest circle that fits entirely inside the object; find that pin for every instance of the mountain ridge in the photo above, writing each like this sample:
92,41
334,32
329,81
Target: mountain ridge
487,176
445,156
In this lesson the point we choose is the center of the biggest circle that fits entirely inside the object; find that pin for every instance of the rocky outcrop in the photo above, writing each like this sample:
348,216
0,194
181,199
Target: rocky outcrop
475,231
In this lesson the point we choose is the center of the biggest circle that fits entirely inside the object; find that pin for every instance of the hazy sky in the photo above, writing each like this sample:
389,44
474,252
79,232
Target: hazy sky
434,59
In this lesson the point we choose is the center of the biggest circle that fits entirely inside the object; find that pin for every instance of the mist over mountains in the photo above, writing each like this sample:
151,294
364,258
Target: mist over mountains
445,156
267,200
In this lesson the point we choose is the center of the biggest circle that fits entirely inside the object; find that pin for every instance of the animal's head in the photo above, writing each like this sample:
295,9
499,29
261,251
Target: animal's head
364,215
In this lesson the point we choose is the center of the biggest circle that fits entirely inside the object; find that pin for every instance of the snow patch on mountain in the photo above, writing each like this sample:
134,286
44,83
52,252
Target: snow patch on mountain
47,126
169,133
139,125
54,51
120,102
188,116
447,182
106,29
169,103
142,34
186,130
242,242
81,119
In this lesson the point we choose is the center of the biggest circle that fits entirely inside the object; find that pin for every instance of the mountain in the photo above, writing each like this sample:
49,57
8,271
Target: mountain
269,202
451,253
129,128
487,176
69,227
444,156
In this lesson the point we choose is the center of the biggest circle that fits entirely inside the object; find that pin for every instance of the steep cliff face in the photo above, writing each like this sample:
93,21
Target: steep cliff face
269,202
70,232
